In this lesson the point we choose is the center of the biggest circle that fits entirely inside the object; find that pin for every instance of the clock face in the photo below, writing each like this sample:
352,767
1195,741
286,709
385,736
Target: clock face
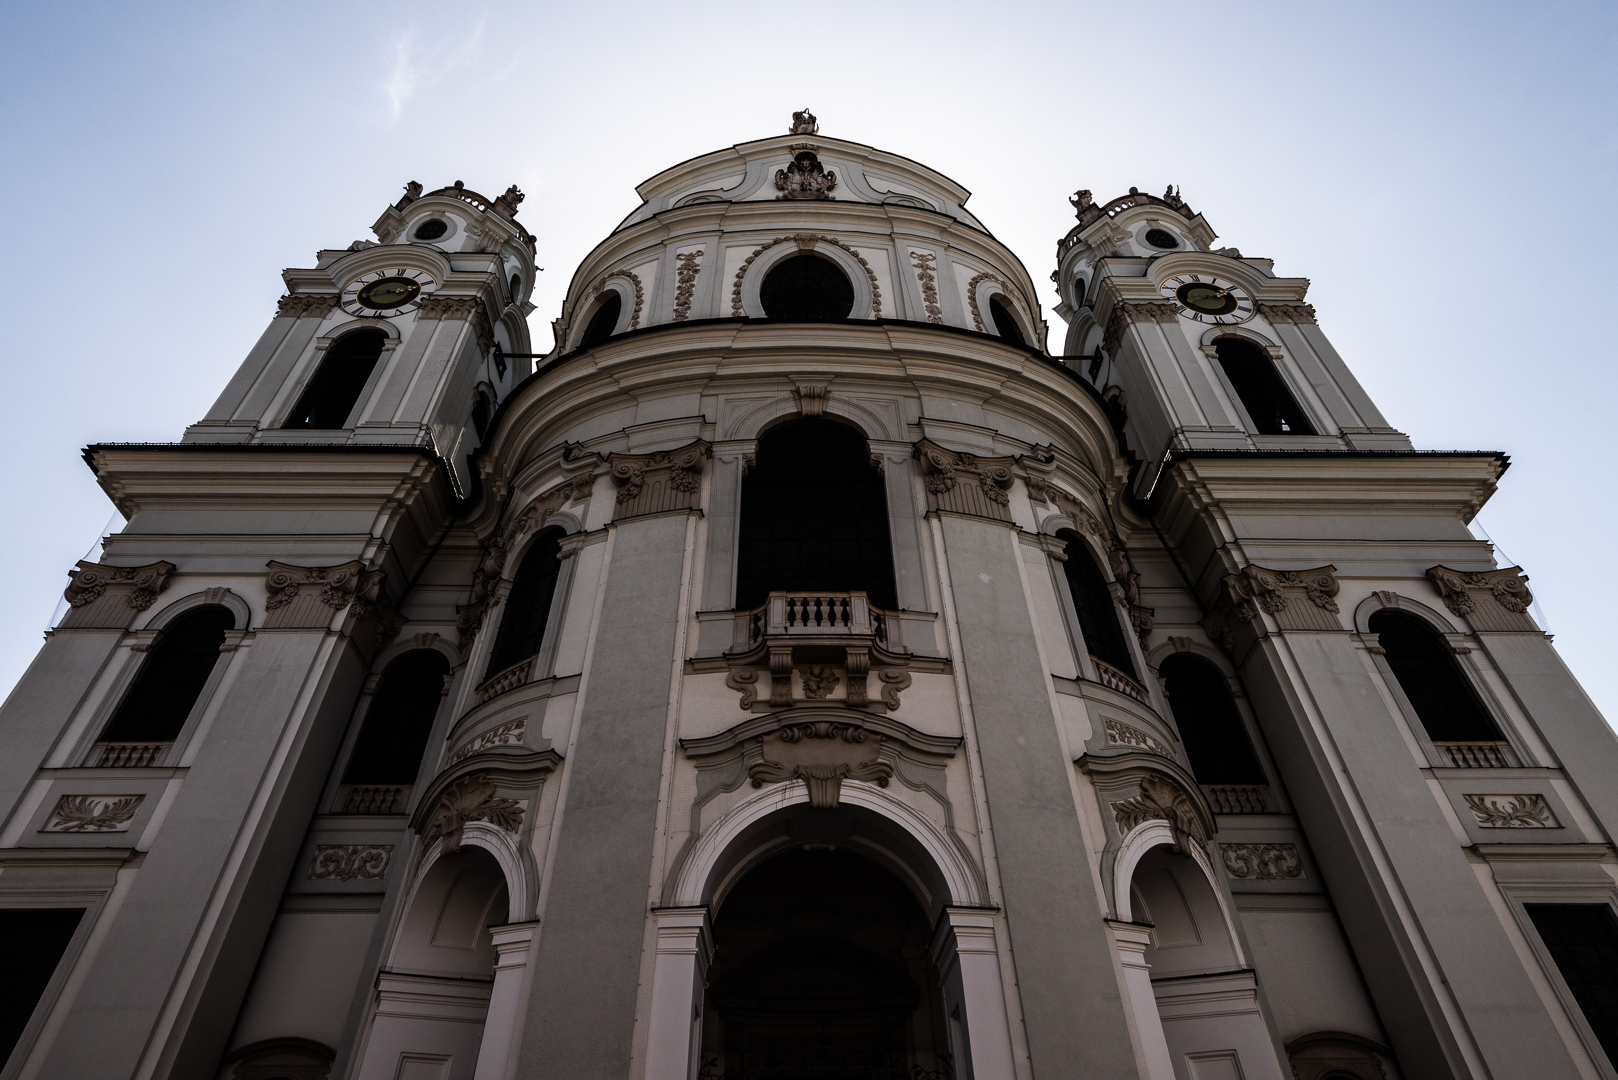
1206,299
387,293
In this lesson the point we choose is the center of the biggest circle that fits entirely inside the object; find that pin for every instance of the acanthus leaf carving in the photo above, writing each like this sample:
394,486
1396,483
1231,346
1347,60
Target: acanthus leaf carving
1511,811
1463,593
88,583
942,470
314,306
1255,589
677,471
347,862
472,798
1161,800
1262,862
822,775
506,734
94,813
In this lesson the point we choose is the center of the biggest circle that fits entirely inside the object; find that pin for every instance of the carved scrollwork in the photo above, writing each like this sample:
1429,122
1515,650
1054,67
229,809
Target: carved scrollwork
1122,734
1511,811
805,177
94,813
1262,862
347,862
664,480
1287,313
821,754
942,470
1492,600
472,798
1275,592
139,587
1162,800
305,307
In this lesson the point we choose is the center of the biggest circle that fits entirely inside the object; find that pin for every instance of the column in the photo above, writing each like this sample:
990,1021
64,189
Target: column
511,944
968,958
1132,940
684,947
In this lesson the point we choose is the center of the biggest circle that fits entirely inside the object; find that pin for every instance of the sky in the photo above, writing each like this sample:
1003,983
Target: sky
1444,173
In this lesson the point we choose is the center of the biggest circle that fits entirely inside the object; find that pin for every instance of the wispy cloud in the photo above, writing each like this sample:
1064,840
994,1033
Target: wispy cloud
414,66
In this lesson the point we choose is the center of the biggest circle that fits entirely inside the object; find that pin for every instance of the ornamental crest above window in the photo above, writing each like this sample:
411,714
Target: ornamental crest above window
806,177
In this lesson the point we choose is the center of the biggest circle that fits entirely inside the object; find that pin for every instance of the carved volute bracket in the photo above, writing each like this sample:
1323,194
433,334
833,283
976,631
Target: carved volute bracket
306,597
1295,599
496,784
822,750
1494,600
965,483
1137,786
111,596
660,481
1126,314
810,396
313,306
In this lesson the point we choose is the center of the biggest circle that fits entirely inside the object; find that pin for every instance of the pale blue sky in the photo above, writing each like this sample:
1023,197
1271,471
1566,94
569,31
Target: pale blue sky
1444,173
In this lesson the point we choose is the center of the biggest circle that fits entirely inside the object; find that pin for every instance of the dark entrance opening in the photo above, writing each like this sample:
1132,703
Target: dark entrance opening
821,970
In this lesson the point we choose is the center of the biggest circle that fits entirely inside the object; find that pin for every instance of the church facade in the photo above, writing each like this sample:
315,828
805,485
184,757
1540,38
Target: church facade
801,672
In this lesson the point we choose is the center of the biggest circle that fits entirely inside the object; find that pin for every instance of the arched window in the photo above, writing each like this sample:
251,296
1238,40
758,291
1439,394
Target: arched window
1215,738
603,322
806,288
814,516
1583,941
172,678
1004,324
399,721
480,417
1098,613
334,391
528,606
1425,666
1264,395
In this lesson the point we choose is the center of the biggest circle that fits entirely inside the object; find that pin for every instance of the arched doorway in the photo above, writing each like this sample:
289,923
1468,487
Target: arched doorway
822,969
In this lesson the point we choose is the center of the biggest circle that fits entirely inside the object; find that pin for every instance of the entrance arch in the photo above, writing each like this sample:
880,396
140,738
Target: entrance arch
943,999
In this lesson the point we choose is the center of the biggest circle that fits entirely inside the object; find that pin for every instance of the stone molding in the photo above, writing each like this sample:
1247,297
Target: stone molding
1162,800
1135,786
660,481
1494,600
640,295
1262,862
472,798
460,307
491,566
109,597
348,862
1123,314
925,264
1511,812
509,733
1296,599
805,242
305,307
93,813
811,398
805,177
972,296
1287,313
986,495
689,265
1122,734
496,784
306,598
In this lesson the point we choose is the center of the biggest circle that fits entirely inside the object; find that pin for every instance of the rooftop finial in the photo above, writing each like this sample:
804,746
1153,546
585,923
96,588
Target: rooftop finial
804,123
1081,201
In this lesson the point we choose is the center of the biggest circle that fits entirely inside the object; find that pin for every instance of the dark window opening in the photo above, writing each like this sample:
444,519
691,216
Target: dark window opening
1098,612
399,721
334,391
431,230
1161,238
516,288
1079,290
1215,738
480,417
32,941
814,517
806,288
603,322
1583,940
1004,324
1424,664
1265,397
172,678
528,606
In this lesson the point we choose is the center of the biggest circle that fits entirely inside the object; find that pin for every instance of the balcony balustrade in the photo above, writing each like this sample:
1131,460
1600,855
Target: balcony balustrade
1477,755
127,755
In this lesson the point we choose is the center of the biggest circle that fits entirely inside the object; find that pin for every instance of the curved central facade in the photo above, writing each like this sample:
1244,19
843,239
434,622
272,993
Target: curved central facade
801,672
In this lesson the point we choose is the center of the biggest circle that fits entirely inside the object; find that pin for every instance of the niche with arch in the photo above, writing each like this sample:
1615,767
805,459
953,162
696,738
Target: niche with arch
329,399
1424,666
165,693
814,517
528,606
437,981
822,968
1263,393
393,738
1093,603
604,321
806,288
1005,324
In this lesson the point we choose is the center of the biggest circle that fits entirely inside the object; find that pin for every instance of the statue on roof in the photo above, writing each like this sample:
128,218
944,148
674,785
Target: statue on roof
1081,201
804,123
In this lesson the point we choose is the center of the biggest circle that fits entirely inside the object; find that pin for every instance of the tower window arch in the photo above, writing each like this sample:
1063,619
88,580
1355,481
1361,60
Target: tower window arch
528,605
806,288
603,322
1215,738
1259,385
335,389
814,517
399,722
1098,613
1425,667
176,669
1005,324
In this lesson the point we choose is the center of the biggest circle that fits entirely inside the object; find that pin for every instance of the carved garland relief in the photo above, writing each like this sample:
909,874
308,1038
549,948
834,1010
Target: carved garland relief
805,241
640,298
685,282
925,263
972,297
347,862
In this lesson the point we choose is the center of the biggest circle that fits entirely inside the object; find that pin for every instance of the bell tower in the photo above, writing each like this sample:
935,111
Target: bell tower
408,339
1201,348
